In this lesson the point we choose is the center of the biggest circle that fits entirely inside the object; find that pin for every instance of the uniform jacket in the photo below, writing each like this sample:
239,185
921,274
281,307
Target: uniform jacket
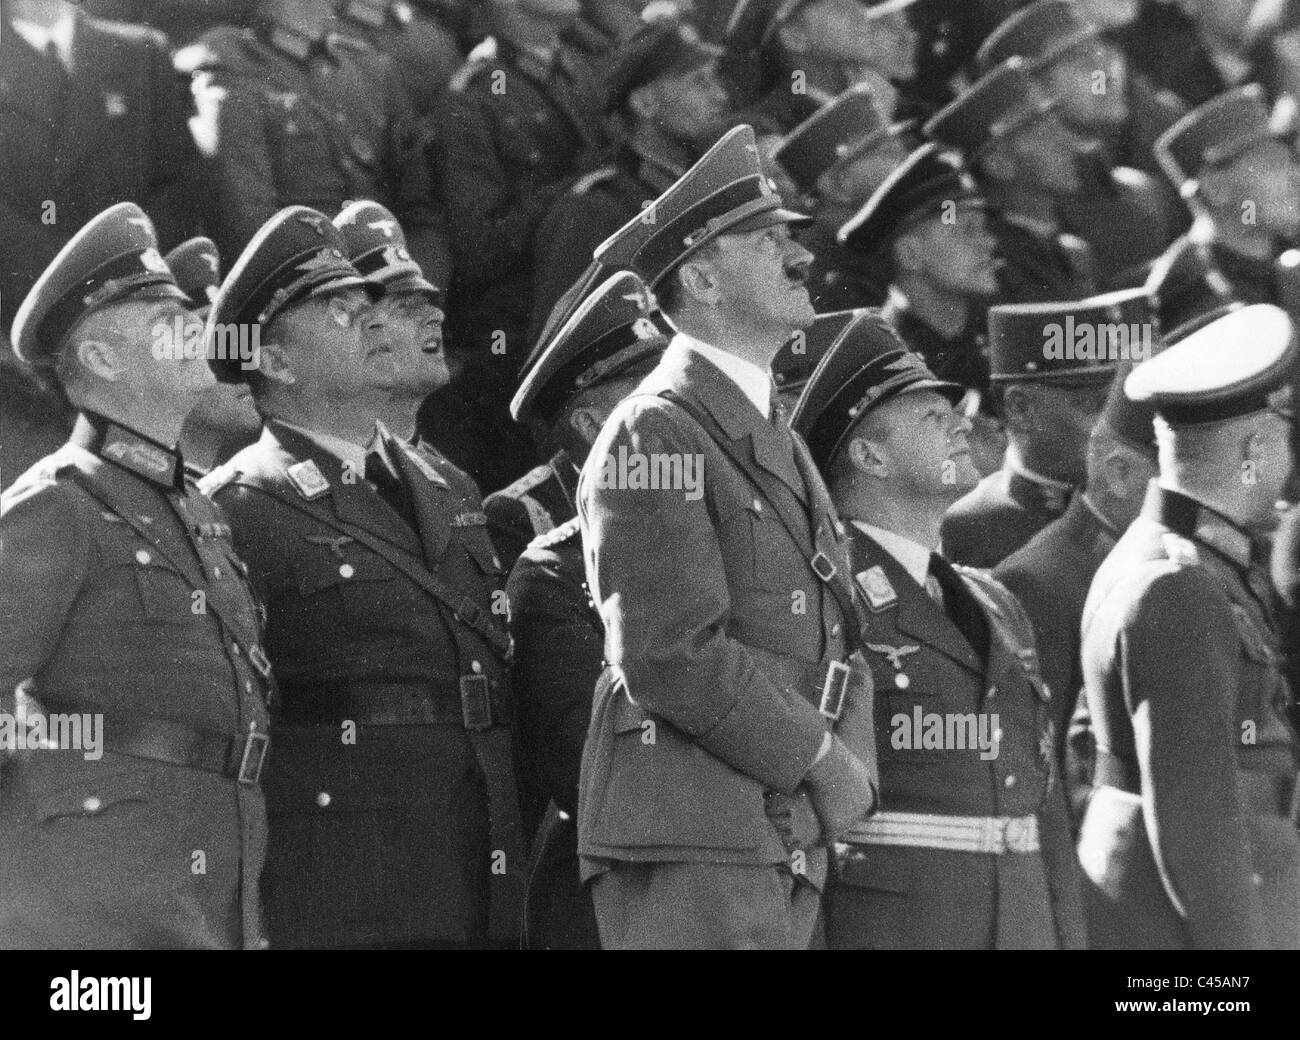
897,897
287,125
513,137
717,671
425,54
1051,575
539,501
112,130
121,594
387,840
1039,265
559,640
842,278
1005,510
1191,841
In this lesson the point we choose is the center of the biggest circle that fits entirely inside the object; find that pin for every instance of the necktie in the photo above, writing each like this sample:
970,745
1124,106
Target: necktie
387,478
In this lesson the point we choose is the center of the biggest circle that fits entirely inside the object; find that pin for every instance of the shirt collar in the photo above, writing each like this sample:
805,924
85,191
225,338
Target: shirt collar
912,556
349,453
754,382
60,33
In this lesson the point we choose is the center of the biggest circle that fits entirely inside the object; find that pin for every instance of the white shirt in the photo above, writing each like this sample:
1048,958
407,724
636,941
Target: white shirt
754,382
60,33
913,556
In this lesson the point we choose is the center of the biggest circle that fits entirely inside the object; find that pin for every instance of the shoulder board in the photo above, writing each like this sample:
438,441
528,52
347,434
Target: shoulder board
1007,612
568,531
478,59
535,477
585,183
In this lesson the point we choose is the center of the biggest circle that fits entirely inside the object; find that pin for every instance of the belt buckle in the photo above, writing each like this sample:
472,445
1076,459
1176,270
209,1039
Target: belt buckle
256,745
260,662
823,566
476,702
1015,835
834,689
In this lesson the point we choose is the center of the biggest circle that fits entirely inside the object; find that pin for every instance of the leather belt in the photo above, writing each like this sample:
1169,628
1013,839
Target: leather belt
160,740
1109,770
998,835
477,705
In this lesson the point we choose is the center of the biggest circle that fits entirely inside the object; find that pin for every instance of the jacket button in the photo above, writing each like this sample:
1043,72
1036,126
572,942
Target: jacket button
1257,879
1010,781
475,667
92,804
835,629
234,649
143,556
216,572
346,570
993,691
323,799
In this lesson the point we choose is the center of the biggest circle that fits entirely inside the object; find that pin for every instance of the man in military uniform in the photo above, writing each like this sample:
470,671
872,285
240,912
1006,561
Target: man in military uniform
1052,572
1052,364
837,158
394,815
223,419
1090,77
799,356
1022,156
595,361
711,698
424,52
123,604
290,114
971,848
1189,840
522,124
1241,183
664,91
91,113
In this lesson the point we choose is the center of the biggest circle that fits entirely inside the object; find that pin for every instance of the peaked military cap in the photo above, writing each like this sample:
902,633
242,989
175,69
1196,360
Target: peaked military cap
725,192
376,245
842,129
1076,341
1130,421
196,266
1040,33
1238,364
612,331
866,365
754,23
928,178
663,47
295,255
1212,135
799,355
1002,102
114,256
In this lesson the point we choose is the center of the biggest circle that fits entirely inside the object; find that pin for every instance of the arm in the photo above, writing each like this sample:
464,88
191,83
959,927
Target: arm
1180,656
655,564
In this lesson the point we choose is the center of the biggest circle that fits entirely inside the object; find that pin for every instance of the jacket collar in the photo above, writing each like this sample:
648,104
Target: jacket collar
1189,518
146,458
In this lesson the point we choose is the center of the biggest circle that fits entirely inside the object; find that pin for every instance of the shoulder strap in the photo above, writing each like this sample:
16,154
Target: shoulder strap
463,609
819,563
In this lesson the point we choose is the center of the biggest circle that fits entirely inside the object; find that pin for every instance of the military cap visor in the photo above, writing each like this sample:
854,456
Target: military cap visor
867,365
1236,365
376,247
611,332
846,127
1213,135
1004,102
1041,33
114,257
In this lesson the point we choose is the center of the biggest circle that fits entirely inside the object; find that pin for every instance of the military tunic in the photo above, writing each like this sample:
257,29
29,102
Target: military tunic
1002,513
538,502
121,596
391,793
1190,840
841,277
963,359
424,53
559,651
1039,264
924,663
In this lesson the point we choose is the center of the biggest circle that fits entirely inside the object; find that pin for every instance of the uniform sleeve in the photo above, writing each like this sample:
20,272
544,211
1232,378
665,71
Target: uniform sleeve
655,563
244,192
1180,659
557,661
44,558
492,218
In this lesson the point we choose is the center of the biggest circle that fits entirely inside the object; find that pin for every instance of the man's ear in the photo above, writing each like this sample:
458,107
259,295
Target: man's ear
586,422
1116,471
867,457
698,280
100,358
273,363
1019,409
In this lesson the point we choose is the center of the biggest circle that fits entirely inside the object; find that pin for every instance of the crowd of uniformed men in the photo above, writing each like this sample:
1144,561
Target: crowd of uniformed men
908,564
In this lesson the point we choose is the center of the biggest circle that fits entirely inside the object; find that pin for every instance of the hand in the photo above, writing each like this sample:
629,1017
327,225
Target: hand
794,818
842,789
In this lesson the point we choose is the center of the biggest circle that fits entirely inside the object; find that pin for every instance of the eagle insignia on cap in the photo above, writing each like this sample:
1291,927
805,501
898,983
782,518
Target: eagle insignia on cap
388,227
313,222
214,264
644,328
324,258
